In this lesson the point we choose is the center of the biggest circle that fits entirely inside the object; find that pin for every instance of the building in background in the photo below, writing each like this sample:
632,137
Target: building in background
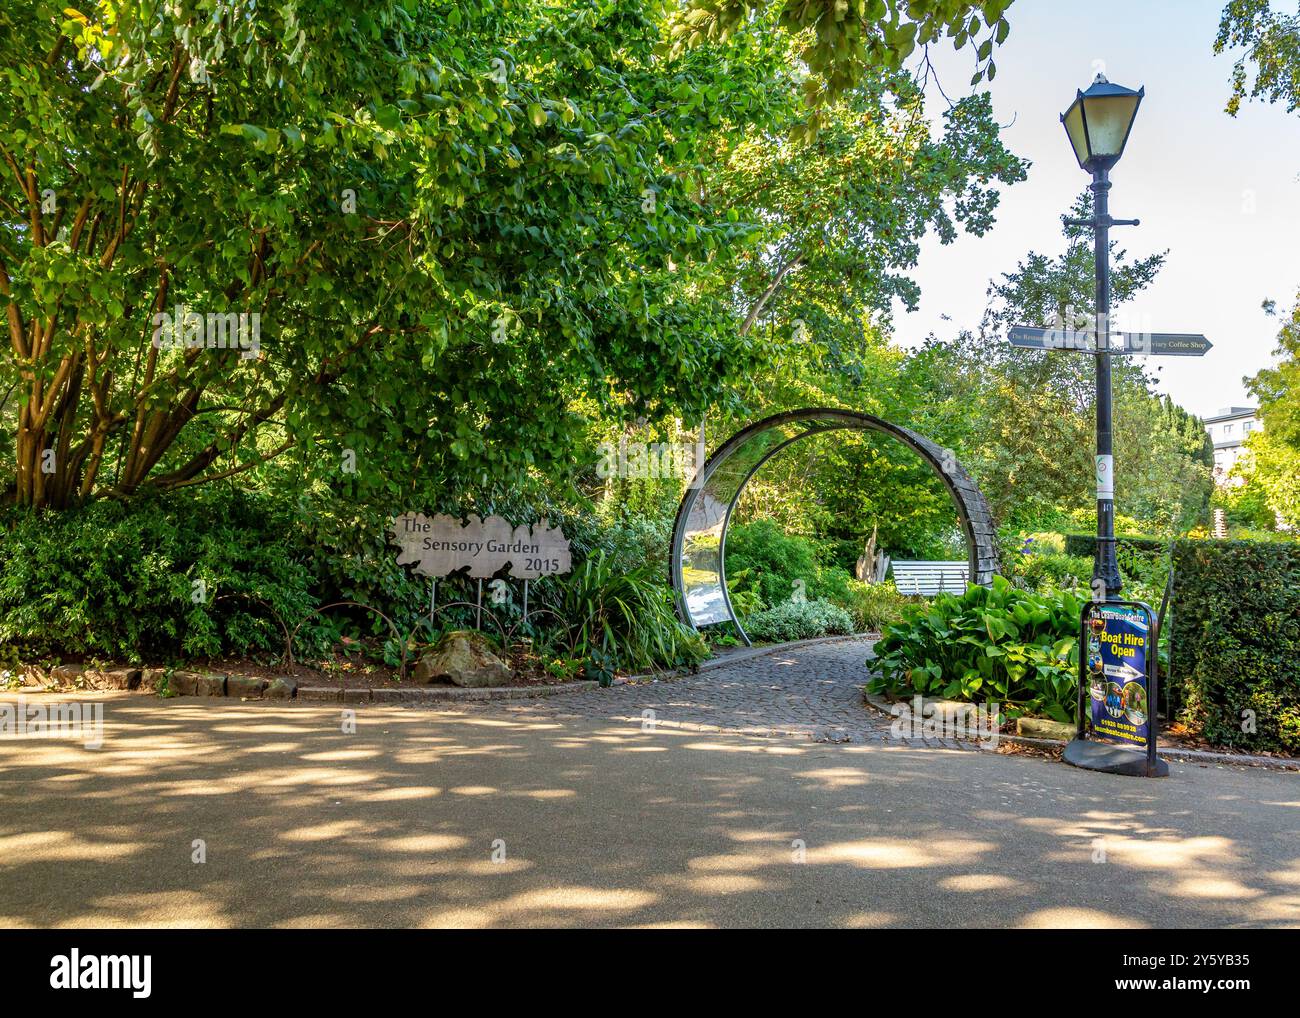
1228,430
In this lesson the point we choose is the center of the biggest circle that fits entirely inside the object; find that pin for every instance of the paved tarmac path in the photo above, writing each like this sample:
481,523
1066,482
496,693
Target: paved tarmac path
572,811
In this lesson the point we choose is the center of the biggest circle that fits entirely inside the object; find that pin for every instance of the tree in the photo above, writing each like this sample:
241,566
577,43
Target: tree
1275,452
844,215
839,41
451,220
1022,422
1272,42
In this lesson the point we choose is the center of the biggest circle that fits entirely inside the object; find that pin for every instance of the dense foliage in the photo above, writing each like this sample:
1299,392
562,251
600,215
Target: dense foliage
222,572
1269,475
1236,642
482,204
168,576
1000,645
798,620
1272,46
1267,42
624,616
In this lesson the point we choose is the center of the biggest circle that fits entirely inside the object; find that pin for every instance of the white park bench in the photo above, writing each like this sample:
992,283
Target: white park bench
929,578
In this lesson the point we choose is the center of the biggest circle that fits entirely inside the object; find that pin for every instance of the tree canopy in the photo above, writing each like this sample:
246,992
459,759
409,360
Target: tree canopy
443,214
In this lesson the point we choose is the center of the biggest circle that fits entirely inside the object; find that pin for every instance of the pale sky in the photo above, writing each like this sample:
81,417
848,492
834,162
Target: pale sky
1222,194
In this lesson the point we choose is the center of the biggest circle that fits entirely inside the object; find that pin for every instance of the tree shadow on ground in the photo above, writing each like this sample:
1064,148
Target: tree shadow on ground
479,816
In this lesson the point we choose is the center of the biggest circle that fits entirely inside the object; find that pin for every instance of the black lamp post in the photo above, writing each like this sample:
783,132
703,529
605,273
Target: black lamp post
1098,124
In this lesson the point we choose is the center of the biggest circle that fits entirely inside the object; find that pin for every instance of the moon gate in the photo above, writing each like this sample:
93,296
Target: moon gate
700,532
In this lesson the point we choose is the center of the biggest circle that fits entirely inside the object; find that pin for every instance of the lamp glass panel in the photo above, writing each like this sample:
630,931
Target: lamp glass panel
1109,117
1074,128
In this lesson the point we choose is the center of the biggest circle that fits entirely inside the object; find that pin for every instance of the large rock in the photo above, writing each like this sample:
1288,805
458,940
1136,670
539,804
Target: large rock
66,675
283,688
464,658
245,686
210,684
120,678
1041,728
93,677
184,683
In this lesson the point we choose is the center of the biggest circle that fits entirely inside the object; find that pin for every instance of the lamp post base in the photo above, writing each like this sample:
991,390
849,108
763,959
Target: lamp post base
1100,756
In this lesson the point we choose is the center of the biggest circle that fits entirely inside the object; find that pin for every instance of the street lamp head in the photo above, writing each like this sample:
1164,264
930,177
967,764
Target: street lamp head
1098,123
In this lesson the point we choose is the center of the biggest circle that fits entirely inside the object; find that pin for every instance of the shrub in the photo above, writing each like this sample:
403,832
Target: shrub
1236,642
772,559
1046,542
624,616
1000,644
798,620
1143,565
635,541
352,559
1049,572
876,605
744,599
120,580
1085,545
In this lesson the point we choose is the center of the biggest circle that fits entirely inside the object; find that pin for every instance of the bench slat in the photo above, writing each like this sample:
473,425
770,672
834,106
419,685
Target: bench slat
928,578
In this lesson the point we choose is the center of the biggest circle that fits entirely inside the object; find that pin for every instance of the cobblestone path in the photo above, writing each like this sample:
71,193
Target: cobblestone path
813,690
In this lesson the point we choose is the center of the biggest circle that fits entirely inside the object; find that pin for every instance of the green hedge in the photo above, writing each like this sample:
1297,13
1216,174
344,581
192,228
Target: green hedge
1085,545
1236,641
151,579
203,573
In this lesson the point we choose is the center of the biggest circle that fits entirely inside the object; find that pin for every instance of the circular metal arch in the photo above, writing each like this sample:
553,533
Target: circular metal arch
699,575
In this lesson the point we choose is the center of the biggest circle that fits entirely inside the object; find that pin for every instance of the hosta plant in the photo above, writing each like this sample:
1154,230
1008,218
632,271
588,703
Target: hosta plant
1014,647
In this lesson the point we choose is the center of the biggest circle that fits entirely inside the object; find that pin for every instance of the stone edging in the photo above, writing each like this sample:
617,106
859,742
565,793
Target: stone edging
442,694
1169,752
249,687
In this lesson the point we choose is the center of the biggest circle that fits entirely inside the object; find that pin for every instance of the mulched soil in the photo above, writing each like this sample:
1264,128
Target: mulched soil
1016,749
1178,737
349,669
357,671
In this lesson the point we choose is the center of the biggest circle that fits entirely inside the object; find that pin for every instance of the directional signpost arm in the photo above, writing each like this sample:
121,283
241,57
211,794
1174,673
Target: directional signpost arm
1155,344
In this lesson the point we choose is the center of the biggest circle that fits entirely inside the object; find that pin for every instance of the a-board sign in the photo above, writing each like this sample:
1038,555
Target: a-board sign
1117,673
440,545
